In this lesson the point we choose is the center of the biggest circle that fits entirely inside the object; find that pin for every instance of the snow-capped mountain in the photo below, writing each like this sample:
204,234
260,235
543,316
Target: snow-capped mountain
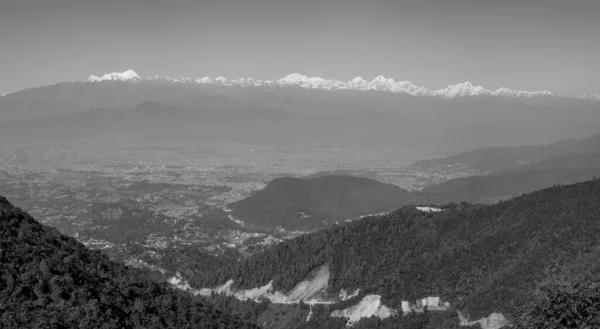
379,83
594,97
128,75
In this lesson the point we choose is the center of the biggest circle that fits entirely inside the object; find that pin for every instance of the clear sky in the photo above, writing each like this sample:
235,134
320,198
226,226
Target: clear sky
522,44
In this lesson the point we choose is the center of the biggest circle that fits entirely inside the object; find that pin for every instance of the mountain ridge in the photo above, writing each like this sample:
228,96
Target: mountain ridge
506,158
379,83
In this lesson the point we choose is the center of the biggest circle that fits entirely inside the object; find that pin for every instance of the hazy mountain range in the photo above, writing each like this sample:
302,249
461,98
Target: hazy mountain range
505,172
379,111
379,83
499,159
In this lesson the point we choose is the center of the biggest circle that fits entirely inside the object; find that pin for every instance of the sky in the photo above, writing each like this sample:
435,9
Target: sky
520,44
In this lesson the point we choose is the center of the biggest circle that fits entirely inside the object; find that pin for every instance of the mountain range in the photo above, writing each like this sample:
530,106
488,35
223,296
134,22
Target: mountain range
502,159
426,125
498,173
379,83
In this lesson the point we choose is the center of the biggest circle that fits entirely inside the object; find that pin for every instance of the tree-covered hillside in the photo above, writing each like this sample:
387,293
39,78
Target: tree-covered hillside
48,280
294,203
481,258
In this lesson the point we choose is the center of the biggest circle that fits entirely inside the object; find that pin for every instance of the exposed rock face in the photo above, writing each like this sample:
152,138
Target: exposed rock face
369,306
493,321
313,290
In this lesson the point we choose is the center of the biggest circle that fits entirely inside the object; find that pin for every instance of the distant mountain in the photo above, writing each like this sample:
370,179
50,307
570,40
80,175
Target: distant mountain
499,159
567,169
52,281
148,122
595,97
379,83
452,119
496,187
576,161
306,204
482,260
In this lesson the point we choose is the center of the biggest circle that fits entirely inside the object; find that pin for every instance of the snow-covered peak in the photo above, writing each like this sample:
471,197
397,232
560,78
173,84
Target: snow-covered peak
165,79
382,84
358,80
293,78
357,83
594,97
463,89
503,91
115,76
379,83
205,80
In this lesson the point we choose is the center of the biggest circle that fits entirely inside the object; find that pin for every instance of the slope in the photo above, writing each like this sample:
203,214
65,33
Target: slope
574,161
306,204
482,259
492,188
499,159
48,280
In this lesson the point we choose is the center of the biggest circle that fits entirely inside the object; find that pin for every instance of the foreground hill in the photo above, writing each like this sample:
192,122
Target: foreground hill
48,280
493,188
306,204
499,159
481,259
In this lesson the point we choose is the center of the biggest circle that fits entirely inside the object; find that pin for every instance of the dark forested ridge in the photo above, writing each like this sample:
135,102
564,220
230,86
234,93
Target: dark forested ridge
294,203
48,280
483,259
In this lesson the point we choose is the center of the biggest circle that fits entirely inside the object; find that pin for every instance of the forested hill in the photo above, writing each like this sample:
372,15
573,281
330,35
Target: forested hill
48,280
294,203
482,259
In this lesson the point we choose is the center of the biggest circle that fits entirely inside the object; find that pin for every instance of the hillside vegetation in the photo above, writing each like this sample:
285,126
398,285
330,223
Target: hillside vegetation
482,259
305,204
48,280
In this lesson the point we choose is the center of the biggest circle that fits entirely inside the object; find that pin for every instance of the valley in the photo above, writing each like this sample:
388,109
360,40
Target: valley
283,216
299,164
140,203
